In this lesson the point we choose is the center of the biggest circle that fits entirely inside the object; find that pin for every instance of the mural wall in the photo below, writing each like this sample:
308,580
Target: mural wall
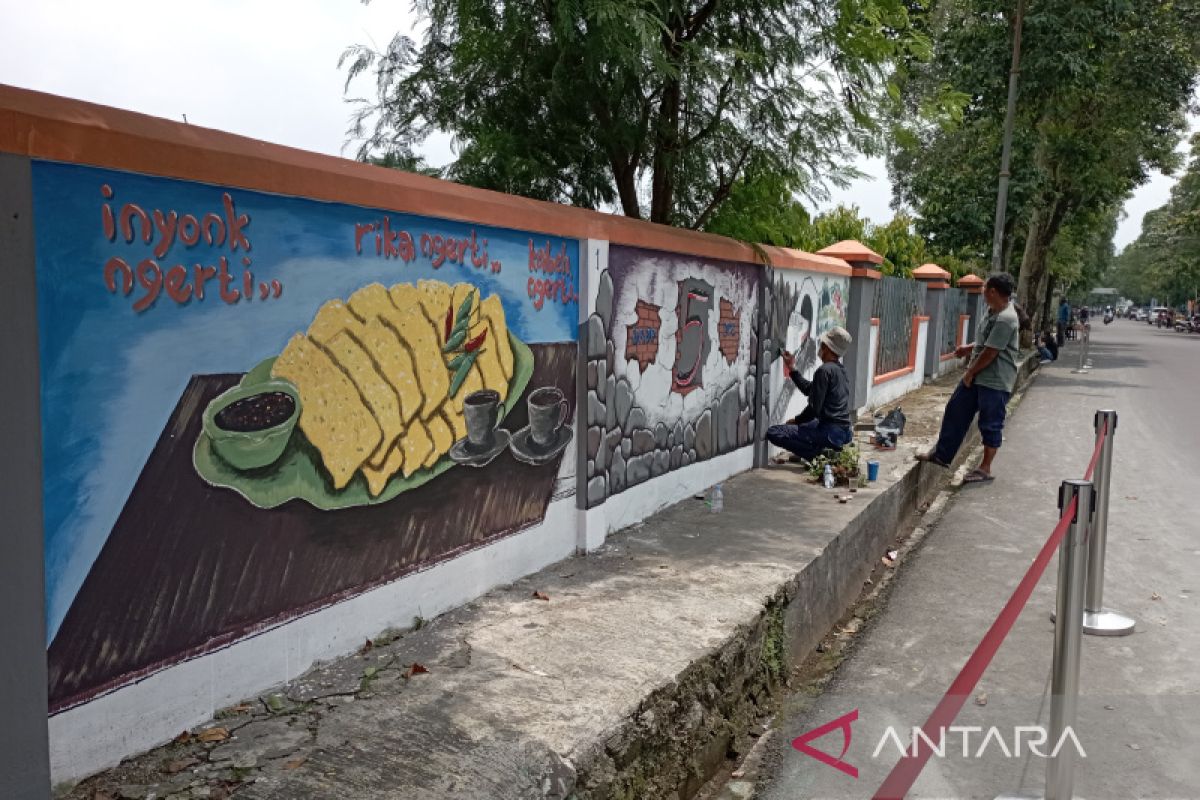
800,307
672,356
254,406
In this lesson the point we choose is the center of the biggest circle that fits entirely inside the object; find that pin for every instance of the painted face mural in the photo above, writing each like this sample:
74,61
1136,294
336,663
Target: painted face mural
255,406
693,338
671,366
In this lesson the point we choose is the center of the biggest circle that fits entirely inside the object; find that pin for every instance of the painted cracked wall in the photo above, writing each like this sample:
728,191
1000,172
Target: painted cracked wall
255,406
800,307
672,355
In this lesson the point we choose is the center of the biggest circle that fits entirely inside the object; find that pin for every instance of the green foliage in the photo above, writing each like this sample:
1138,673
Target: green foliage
1163,263
1103,88
844,463
667,109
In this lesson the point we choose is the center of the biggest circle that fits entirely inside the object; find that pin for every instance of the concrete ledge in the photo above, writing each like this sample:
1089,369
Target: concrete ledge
652,661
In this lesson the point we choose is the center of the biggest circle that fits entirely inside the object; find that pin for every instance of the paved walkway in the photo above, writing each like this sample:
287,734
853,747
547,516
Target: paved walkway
1139,710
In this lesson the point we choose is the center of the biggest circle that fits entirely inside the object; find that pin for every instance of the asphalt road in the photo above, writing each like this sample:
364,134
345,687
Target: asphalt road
1139,707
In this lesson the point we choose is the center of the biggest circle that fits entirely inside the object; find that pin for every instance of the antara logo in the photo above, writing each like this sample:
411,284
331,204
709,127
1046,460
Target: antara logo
1025,738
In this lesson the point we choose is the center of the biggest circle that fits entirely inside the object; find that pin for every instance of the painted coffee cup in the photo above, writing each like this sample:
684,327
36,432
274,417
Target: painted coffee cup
482,412
548,410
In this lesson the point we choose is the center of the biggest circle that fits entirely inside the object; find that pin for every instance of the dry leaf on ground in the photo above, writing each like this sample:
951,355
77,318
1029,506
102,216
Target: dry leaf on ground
295,763
981,699
415,669
182,738
540,596
1155,596
213,735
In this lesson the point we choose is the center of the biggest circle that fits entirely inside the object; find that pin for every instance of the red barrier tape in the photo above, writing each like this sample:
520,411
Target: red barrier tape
1087,476
904,774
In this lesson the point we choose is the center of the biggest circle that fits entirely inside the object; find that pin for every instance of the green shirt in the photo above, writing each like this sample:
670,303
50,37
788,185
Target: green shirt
1001,331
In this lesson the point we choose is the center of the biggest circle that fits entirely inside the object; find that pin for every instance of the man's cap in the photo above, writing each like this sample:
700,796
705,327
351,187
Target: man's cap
838,340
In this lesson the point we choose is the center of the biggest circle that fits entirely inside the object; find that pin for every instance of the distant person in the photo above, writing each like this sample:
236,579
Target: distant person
1064,320
1047,346
986,385
825,422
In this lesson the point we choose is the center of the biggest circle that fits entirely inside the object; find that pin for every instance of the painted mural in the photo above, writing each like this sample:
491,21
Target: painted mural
672,357
255,406
801,306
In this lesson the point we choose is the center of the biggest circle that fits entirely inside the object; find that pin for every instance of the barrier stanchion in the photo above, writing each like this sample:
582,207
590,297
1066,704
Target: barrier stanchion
1077,497
1098,620
1085,338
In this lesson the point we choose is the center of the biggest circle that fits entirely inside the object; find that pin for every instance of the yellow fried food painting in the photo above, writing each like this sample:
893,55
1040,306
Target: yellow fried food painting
383,375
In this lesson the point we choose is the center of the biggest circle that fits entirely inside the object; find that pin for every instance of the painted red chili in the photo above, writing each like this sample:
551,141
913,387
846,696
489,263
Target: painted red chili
449,321
473,345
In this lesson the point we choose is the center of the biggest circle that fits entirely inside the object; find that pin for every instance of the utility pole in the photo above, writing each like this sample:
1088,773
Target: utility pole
1006,151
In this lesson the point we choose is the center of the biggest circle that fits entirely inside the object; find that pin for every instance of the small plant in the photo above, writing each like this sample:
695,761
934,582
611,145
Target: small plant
844,464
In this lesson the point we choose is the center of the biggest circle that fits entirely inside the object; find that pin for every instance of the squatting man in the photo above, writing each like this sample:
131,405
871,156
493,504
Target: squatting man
825,422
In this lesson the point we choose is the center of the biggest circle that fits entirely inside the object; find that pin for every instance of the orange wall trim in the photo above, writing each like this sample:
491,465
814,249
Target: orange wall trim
45,126
863,272
912,352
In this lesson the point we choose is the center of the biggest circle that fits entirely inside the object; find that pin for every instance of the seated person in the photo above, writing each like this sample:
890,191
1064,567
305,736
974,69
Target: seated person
825,422
1048,347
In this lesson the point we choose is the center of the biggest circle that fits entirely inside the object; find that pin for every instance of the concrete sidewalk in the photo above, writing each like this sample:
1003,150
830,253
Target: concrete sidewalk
650,663
1139,706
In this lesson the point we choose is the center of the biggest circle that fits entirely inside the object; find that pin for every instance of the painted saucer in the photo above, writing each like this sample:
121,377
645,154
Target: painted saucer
523,448
462,452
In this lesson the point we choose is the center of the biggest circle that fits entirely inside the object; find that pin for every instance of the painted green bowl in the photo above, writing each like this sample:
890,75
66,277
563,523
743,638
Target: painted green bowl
250,426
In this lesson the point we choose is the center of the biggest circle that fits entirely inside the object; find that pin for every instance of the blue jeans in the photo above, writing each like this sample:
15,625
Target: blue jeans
967,401
810,439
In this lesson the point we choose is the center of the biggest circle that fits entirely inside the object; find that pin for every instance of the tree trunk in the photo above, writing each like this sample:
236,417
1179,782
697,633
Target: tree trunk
662,185
1033,281
625,175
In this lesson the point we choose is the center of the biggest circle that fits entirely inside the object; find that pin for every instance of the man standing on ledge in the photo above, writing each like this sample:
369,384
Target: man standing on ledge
986,385
825,422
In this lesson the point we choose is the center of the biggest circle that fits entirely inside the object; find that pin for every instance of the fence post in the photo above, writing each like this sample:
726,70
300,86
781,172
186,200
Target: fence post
1068,642
975,309
864,282
1098,620
937,281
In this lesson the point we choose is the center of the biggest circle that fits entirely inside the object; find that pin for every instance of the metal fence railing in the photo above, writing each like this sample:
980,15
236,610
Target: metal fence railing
897,301
955,307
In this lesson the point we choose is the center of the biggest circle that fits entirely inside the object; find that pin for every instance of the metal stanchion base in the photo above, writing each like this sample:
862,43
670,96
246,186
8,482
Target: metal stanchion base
1105,623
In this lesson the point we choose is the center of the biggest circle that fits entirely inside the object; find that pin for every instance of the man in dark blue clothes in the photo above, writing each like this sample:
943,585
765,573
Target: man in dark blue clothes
825,422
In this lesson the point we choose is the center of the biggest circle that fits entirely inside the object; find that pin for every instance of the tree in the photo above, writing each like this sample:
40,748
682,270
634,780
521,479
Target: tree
1163,263
666,108
1103,88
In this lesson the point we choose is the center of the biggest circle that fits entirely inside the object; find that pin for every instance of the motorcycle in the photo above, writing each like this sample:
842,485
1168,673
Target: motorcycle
1108,317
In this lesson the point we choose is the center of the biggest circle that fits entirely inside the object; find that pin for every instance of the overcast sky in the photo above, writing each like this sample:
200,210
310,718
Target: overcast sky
265,69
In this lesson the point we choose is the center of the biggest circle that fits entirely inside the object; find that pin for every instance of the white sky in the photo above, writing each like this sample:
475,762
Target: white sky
266,69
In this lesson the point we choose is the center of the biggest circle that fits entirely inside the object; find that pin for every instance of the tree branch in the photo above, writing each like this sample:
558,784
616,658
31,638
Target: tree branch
723,190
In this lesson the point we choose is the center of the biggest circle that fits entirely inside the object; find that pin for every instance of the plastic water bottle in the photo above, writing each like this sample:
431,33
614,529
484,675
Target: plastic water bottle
828,478
717,504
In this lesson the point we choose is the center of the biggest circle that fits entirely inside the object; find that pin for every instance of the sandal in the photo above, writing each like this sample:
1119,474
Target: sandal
930,458
977,476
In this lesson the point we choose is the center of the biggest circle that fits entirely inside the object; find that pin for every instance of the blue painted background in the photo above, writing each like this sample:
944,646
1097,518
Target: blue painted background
111,376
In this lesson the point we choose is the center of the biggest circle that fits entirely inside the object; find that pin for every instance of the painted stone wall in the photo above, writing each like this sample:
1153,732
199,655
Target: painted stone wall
801,306
255,406
671,360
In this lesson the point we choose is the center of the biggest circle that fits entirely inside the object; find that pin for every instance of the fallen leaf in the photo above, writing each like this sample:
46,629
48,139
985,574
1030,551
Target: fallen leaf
540,596
295,763
213,735
366,648
182,738
179,765
981,699
415,669
1155,596
887,562
370,672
